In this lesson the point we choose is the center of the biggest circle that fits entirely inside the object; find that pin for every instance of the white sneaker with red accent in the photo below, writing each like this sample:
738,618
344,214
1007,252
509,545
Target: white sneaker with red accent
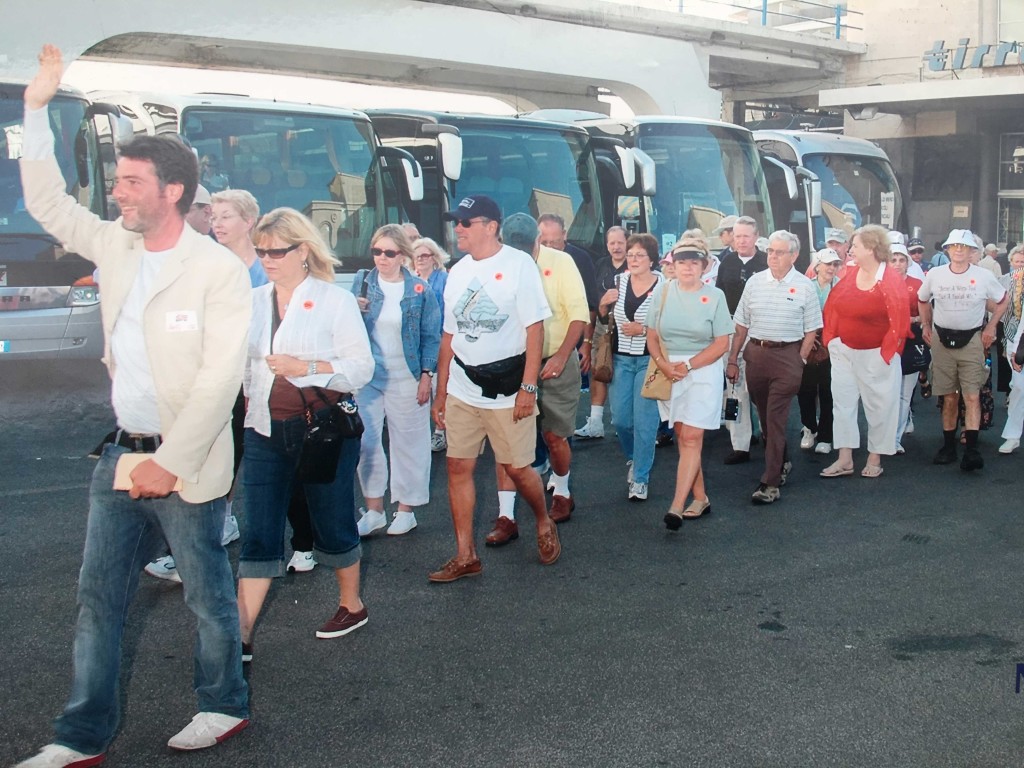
57,756
207,729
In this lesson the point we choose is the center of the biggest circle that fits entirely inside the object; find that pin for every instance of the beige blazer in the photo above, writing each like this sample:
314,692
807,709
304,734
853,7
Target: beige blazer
196,324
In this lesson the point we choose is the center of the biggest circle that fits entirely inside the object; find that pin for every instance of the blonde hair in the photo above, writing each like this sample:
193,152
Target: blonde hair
292,227
876,239
441,257
399,237
243,202
695,240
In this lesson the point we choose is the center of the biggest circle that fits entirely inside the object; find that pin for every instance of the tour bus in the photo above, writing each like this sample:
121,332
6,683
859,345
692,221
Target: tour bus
826,180
49,302
323,161
526,165
690,173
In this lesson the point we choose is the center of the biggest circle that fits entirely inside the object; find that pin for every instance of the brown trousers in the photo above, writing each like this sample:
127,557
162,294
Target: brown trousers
773,380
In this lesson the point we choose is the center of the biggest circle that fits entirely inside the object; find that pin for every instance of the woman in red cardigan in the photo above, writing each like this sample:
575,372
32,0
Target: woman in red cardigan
866,324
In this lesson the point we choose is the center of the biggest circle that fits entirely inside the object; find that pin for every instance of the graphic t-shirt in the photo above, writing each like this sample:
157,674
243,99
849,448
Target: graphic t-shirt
488,304
959,299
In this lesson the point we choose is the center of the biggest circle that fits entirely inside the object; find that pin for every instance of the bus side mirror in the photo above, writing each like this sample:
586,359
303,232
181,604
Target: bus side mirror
412,173
648,182
812,190
627,167
773,167
449,145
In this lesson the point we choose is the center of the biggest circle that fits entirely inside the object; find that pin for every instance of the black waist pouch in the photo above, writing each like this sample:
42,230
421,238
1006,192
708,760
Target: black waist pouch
500,378
956,339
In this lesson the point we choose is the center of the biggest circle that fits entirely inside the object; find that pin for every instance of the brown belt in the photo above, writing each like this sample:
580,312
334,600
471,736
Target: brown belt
772,344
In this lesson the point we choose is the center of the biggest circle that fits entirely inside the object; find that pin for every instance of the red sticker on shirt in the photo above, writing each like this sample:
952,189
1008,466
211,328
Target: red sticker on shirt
418,288
307,305
972,281
547,273
792,290
498,275
704,299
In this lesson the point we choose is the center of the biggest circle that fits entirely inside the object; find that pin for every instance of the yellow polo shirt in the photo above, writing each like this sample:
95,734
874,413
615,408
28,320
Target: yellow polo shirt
563,288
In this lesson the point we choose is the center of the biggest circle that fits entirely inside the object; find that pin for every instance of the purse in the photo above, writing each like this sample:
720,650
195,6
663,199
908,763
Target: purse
326,430
819,352
656,384
602,367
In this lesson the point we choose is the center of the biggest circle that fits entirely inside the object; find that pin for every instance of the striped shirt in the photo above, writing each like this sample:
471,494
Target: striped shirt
779,310
632,345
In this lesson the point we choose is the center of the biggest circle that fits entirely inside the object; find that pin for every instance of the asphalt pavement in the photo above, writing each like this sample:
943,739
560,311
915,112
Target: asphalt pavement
855,622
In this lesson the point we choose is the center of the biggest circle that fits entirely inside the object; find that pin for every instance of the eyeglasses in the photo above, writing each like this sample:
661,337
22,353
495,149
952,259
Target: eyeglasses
425,255
467,223
276,253
391,254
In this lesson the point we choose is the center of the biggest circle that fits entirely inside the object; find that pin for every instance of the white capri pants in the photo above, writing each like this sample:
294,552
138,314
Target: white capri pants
862,375
694,400
1015,413
906,394
408,441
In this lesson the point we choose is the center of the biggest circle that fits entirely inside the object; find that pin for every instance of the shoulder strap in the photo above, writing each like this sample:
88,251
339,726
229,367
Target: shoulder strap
275,317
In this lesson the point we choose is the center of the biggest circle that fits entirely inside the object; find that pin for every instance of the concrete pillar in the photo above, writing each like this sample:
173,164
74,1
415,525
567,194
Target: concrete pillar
986,197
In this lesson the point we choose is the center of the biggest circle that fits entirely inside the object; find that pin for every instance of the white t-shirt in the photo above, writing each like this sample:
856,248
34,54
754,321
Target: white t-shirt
488,305
959,299
387,330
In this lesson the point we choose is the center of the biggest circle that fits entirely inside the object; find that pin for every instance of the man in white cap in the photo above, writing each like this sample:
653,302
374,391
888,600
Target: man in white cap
913,268
988,260
837,240
958,335
200,213
724,233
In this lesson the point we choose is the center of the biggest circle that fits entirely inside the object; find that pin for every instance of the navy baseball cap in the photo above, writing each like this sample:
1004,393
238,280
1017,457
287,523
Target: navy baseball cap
915,242
473,206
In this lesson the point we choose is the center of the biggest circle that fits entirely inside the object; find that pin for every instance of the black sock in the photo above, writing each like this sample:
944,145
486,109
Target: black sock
972,438
949,438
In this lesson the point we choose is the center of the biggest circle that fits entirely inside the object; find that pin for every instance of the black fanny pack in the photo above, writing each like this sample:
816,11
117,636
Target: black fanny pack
956,339
500,378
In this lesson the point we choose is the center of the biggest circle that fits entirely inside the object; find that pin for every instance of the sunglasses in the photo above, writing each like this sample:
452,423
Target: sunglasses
425,255
467,223
391,254
276,253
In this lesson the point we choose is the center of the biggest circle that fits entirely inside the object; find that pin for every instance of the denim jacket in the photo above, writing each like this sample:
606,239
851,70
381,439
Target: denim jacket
421,322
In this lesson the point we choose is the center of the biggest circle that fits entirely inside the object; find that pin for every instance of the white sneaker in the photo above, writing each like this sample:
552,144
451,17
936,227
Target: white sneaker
207,729
164,568
1009,446
56,756
371,521
823,448
438,441
591,430
910,424
403,523
807,438
638,491
230,530
900,450
301,562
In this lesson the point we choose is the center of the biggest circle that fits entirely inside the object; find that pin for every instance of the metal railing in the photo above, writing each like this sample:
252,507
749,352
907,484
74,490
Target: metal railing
805,16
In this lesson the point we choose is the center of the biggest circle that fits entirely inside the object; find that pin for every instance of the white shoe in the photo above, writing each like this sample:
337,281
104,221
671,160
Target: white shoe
301,562
207,729
1009,446
56,756
403,523
230,530
164,568
438,441
638,491
550,487
900,450
910,424
823,448
371,521
591,430
807,438
629,472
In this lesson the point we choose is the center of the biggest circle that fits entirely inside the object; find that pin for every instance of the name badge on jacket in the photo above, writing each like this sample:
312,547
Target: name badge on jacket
184,320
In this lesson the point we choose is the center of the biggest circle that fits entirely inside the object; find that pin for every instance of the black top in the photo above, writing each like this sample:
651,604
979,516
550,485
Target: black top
585,265
606,272
733,274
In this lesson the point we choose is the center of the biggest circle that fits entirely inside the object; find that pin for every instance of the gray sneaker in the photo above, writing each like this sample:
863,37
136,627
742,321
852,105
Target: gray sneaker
438,441
638,491
787,467
765,494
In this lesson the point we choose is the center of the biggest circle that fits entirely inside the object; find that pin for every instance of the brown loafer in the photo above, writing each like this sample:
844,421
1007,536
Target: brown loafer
561,508
505,530
548,546
453,570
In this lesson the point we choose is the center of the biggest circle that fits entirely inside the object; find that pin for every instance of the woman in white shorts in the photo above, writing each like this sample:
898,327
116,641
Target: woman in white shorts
688,328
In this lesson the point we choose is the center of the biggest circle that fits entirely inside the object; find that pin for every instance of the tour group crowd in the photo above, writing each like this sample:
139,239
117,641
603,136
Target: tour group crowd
228,352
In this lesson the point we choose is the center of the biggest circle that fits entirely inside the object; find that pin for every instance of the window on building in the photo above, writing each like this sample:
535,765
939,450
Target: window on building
1011,20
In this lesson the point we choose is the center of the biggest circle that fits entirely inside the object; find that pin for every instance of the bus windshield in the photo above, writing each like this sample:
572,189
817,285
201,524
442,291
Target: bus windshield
704,172
855,190
534,171
324,166
23,238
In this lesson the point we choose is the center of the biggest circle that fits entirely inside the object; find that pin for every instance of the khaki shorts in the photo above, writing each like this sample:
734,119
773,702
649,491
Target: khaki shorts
514,442
559,398
958,370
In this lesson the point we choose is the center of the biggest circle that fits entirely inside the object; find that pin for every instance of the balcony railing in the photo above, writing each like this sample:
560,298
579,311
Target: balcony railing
805,16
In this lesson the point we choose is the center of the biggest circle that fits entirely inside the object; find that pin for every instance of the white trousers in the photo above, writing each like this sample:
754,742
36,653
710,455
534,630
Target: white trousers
906,393
1015,414
408,441
861,375
740,430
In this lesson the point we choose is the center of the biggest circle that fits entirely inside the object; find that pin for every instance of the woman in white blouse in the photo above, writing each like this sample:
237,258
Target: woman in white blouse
307,344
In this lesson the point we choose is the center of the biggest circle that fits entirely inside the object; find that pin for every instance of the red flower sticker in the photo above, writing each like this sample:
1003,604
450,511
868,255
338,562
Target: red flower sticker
972,281
792,290
307,304
704,299
498,275
418,288
547,273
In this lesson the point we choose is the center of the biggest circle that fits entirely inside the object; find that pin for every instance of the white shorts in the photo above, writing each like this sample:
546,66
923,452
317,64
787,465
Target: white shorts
697,399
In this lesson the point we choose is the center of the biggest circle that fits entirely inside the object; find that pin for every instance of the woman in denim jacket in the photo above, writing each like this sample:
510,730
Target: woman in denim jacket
403,321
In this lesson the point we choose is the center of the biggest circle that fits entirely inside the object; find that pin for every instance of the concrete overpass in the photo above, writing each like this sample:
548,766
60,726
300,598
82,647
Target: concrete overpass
560,53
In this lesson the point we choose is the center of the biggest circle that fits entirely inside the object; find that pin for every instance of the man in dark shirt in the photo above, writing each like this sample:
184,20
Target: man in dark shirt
739,262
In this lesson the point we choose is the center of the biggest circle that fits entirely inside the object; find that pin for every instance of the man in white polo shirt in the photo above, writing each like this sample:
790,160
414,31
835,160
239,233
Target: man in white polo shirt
778,317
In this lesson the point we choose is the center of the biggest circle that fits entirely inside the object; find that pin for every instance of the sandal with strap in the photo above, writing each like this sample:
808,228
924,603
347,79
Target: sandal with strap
836,470
674,519
697,508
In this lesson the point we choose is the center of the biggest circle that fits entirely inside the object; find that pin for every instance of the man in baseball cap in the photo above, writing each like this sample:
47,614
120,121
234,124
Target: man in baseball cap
837,240
474,208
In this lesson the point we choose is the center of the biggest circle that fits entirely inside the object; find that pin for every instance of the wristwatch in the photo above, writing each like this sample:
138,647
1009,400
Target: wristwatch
311,368
429,373
688,366
529,388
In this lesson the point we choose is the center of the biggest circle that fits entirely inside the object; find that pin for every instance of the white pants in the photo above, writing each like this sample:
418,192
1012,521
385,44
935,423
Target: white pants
408,441
1015,413
740,430
906,393
862,375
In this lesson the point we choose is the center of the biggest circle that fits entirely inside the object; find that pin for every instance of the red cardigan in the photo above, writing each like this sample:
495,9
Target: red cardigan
894,291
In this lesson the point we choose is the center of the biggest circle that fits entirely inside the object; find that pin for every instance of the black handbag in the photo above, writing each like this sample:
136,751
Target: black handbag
916,356
326,430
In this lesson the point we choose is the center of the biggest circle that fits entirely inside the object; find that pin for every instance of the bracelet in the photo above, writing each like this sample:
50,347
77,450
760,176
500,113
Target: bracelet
732,363
311,368
588,341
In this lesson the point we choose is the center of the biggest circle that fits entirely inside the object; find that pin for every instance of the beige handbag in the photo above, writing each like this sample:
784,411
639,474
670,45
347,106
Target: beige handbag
656,384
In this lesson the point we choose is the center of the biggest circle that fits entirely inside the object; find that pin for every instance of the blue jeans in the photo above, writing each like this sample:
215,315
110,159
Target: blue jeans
268,476
635,418
122,535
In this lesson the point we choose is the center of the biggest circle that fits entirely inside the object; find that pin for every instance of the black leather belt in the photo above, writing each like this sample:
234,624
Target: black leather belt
772,344
135,442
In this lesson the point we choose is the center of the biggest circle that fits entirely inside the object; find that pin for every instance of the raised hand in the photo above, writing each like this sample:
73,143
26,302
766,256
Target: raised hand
44,85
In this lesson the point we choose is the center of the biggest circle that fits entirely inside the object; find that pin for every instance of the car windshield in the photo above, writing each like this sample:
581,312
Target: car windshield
855,190
321,165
